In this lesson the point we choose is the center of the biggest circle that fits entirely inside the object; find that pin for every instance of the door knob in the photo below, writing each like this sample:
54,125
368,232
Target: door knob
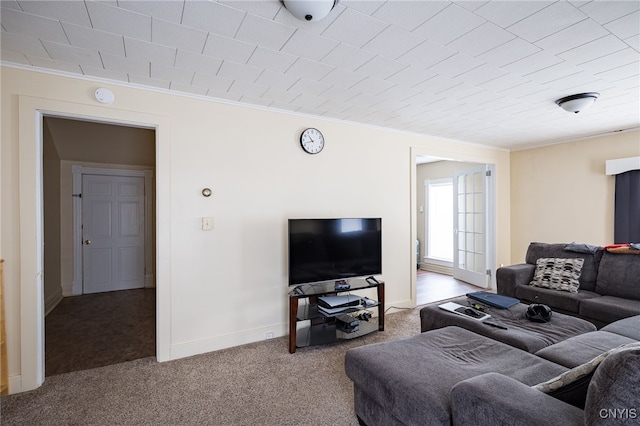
87,242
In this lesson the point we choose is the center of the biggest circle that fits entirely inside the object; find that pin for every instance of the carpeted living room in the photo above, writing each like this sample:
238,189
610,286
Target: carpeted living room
288,212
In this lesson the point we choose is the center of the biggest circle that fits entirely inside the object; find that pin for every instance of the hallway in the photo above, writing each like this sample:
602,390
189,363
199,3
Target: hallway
432,287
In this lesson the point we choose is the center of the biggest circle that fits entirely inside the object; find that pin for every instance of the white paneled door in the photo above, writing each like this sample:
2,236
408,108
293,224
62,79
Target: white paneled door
472,212
113,233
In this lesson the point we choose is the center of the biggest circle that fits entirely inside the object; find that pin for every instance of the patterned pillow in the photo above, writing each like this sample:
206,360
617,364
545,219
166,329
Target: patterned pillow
558,274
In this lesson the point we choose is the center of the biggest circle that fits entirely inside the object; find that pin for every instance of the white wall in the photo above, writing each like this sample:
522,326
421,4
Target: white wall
227,286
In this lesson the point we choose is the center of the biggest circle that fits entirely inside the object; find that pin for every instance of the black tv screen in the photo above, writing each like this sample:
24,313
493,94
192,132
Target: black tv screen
334,249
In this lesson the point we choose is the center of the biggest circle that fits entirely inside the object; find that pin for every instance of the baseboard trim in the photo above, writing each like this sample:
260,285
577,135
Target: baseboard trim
52,301
446,270
15,384
149,281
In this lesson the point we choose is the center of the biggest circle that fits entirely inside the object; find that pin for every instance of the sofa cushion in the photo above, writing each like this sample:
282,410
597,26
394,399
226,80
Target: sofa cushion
563,300
412,378
613,398
557,274
589,268
619,275
628,327
608,309
583,348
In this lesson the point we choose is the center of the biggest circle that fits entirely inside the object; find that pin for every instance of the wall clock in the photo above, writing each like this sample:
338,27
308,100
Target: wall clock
312,141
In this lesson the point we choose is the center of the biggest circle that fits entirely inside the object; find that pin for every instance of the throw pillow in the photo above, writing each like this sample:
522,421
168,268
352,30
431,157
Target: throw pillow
571,386
558,274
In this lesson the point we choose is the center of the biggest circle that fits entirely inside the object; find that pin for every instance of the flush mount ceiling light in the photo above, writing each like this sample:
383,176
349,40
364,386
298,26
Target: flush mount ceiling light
577,103
309,10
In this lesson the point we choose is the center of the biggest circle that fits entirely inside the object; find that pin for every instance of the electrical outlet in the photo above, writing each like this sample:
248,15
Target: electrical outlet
268,335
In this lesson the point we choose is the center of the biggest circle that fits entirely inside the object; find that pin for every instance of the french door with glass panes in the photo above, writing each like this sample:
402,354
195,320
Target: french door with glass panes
472,225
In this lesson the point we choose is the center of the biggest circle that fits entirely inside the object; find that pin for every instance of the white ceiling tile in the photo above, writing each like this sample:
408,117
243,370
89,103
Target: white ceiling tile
371,85
147,81
481,74
8,56
506,13
427,54
166,10
633,42
145,51
481,39
393,42
630,83
553,72
55,65
459,92
279,95
347,57
409,15
33,26
627,26
381,67
102,73
593,50
227,48
267,33
606,11
309,87
213,17
11,4
308,45
91,38
255,101
340,94
509,52
614,60
119,21
440,30
456,65
625,71
572,36
547,21
309,69
240,72
265,9
366,100
354,28
411,76
66,11
277,80
306,101
367,7
196,62
187,88
234,97
213,82
437,84
72,54
575,80
532,63
126,65
315,27
343,77
505,82
21,43
172,74
246,88
173,35
271,60
471,5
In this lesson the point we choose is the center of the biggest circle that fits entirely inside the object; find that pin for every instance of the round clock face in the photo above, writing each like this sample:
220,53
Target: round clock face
312,141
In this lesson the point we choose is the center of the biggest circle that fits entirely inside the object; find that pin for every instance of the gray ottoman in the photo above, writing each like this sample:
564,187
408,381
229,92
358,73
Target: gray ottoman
520,333
407,382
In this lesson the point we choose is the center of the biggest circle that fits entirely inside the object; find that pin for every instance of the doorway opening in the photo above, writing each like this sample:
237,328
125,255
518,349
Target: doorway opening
99,251
453,211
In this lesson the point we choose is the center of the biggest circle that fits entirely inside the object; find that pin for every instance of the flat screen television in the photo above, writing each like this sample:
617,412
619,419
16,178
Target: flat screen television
323,250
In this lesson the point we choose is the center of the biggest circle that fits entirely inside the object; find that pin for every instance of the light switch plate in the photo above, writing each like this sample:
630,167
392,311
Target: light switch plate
207,223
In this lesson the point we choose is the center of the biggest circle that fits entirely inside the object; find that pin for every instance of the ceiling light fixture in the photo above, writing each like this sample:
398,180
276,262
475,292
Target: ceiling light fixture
577,103
309,10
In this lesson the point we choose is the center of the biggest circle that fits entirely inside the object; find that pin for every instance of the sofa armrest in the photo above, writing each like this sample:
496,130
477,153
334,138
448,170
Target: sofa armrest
494,399
508,277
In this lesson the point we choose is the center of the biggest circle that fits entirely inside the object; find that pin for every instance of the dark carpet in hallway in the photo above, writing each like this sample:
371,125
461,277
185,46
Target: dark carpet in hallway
95,330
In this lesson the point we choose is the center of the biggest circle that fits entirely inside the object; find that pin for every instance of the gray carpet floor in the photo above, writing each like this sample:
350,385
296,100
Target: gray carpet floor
255,384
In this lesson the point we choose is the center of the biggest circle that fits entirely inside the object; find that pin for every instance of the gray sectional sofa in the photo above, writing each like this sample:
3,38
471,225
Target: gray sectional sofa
452,376
609,283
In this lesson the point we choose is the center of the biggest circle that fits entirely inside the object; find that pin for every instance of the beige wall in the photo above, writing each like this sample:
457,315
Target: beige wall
227,286
560,193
